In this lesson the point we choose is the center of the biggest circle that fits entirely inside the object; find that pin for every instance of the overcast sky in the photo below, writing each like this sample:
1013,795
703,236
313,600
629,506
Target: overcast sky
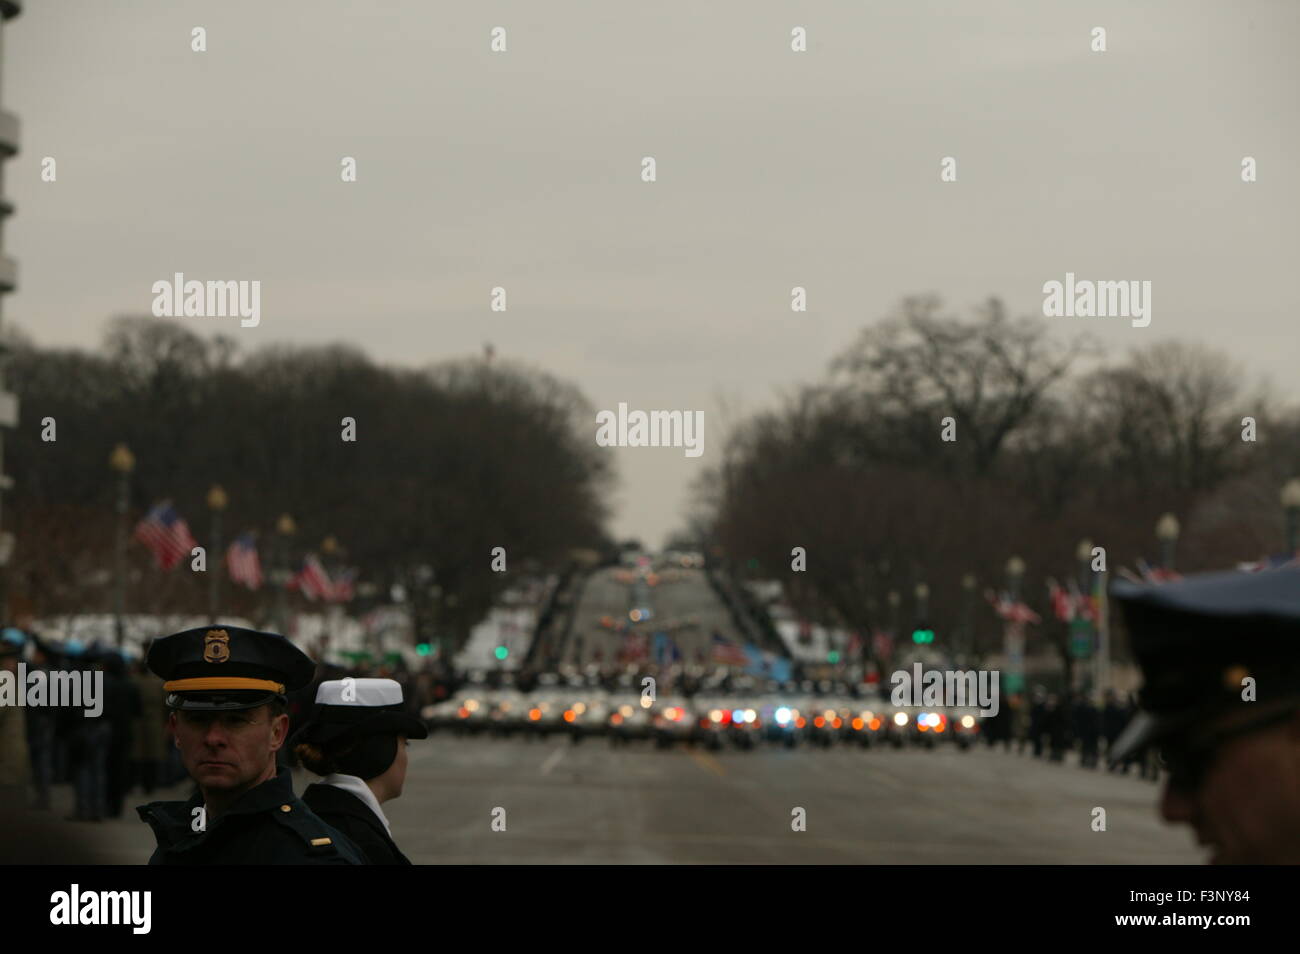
775,169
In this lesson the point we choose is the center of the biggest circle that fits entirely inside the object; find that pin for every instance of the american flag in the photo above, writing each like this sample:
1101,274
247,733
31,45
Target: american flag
727,652
168,536
1015,612
312,580
635,646
344,586
1156,574
1062,604
241,559
1069,605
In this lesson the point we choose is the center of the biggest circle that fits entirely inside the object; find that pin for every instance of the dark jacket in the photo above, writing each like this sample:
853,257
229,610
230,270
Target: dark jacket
354,818
267,825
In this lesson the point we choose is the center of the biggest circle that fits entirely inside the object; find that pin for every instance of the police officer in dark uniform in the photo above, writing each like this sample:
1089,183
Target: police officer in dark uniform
1220,654
356,740
226,691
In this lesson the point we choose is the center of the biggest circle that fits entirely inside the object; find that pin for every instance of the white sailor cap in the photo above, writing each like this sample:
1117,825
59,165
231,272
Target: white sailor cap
358,707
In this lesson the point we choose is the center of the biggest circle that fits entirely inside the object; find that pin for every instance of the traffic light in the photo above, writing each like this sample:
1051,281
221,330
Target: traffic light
502,652
922,636
833,657
422,649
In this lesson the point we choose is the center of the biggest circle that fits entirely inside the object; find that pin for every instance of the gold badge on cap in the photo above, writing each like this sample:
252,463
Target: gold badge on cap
216,646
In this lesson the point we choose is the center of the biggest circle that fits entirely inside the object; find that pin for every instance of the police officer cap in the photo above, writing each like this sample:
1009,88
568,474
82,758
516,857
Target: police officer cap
1198,639
355,708
226,667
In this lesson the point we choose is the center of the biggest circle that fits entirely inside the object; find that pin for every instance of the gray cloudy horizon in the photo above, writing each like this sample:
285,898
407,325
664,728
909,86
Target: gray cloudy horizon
775,169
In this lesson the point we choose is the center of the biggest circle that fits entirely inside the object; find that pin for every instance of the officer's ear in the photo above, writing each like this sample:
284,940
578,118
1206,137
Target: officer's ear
171,727
279,726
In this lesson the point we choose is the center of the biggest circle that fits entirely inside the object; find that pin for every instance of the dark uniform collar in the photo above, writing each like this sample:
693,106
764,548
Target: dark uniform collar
272,793
174,821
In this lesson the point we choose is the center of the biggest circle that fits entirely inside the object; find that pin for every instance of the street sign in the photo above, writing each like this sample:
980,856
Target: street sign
1081,639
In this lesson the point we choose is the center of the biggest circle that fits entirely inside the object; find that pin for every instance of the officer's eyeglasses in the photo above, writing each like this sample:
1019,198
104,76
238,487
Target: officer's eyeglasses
1187,765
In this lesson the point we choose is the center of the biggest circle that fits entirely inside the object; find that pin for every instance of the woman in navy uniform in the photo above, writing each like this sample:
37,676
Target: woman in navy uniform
356,740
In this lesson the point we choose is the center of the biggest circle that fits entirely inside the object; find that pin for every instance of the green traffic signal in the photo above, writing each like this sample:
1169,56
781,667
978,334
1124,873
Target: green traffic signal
832,657
920,636
422,649
502,652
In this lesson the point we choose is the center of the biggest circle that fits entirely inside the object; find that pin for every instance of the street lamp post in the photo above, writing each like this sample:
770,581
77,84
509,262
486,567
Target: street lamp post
922,603
122,461
330,549
1291,506
1167,533
1082,629
1013,633
286,528
1083,553
217,501
968,583
895,601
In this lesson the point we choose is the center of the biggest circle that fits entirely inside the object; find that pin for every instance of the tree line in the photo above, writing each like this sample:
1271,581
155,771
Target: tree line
450,461
1053,444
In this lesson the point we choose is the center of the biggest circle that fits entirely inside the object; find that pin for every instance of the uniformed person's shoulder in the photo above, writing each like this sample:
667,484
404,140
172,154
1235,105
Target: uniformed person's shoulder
319,842
356,821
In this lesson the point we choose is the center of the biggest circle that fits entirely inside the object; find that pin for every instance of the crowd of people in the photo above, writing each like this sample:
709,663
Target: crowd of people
1049,726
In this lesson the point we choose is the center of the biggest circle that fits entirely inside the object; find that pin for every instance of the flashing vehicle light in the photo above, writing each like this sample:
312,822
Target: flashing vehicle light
857,723
616,718
463,712
967,722
782,715
569,715
800,722
940,727
875,724
634,616
580,707
534,713
625,711
836,722
819,721
471,705
921,726
750,715
900,718
738,716
675,713
715,715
